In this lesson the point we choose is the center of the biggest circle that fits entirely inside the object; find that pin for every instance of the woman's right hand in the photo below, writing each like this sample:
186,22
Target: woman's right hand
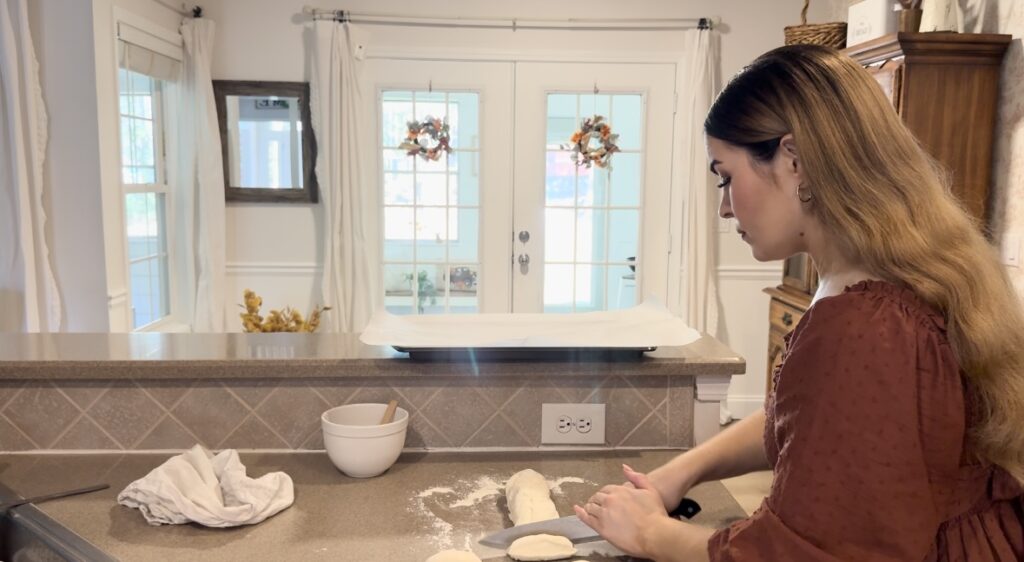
673,480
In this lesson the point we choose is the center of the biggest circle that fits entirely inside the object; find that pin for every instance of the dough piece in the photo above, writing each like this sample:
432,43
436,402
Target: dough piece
529,498
541,547
454,556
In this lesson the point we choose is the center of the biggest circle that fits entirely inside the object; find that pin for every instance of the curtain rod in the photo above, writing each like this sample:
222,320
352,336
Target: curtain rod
184,11
665,24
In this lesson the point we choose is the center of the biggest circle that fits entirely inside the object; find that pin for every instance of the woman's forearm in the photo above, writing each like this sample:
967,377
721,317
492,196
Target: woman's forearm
737,450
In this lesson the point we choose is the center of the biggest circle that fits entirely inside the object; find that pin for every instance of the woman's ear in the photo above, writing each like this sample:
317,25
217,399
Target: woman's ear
788,151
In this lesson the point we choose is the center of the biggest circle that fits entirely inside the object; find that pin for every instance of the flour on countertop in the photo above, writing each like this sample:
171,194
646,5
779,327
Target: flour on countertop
432,491
485,488
464,494
556,485
440,530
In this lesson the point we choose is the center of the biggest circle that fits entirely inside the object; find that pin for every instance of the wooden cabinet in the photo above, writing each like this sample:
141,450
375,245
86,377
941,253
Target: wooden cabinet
785,311
945,87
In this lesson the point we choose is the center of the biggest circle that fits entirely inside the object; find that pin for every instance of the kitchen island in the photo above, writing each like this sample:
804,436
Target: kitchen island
152,391
425,503
152,355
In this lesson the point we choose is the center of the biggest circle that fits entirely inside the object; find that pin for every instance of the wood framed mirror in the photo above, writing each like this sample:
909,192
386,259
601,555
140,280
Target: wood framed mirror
267,141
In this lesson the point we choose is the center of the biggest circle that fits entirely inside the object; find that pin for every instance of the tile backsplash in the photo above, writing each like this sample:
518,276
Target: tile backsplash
445,412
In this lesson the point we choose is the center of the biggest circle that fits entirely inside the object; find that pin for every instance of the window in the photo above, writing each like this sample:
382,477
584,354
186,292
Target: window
431,208
592,215
146,195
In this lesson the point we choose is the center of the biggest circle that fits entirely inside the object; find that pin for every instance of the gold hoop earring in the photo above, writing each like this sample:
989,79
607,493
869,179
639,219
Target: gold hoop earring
804,194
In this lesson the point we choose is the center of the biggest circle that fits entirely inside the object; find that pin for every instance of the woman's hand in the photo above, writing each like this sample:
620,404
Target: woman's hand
672,480
621,514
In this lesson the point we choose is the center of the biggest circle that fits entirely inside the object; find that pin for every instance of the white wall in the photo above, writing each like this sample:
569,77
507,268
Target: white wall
1007,16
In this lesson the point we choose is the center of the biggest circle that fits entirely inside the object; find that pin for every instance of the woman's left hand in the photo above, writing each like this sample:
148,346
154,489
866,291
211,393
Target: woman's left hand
622,513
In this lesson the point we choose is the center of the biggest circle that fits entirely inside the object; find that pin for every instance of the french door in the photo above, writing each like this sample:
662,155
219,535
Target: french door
507,222
591,238
445,221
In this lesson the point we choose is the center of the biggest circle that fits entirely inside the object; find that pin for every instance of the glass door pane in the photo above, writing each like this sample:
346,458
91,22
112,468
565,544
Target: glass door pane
431,204
598,237
591,214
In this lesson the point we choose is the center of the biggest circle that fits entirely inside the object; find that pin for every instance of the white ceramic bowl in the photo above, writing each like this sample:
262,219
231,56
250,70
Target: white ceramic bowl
356,442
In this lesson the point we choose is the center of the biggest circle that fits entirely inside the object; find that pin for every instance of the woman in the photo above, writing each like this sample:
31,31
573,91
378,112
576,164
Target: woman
896,427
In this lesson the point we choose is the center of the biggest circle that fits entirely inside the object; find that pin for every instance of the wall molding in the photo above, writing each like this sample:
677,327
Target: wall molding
272,268
742,405
750,272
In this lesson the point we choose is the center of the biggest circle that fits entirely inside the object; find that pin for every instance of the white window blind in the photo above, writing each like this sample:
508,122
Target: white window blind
145,52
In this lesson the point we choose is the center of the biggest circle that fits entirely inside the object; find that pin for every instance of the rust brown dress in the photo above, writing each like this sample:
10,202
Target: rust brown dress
866,433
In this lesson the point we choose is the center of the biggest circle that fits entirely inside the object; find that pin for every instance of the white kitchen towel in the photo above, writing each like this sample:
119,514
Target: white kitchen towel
199,487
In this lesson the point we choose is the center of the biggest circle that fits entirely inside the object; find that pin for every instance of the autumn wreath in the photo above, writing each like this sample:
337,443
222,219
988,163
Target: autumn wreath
427,138
593,144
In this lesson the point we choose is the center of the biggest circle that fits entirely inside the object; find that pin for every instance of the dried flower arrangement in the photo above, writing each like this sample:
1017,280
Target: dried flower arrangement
287,320
428,138
593,143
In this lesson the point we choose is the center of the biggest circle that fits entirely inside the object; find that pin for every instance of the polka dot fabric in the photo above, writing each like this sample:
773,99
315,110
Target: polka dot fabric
866,433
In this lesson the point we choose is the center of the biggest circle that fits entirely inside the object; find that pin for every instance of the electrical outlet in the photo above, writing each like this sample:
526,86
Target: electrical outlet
572,424
565,424
584,425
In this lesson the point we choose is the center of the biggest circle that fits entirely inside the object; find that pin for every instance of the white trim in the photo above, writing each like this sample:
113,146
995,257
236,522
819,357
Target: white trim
503,55
742,405
712,388
165,325
273,268
711,392
751,272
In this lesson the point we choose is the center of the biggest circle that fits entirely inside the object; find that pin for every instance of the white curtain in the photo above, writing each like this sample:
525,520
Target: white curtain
200,179
346,144
29,299
696,86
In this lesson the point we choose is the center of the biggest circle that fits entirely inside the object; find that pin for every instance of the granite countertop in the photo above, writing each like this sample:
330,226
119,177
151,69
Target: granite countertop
425,503
233,355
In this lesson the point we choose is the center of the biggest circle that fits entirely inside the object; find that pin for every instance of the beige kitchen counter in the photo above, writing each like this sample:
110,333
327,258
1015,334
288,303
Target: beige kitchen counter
405,515
69,356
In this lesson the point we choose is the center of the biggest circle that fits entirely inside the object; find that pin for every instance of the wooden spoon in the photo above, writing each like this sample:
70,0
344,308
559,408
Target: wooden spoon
389,414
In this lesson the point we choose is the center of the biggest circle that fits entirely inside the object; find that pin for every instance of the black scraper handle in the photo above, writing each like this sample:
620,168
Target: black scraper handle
687,508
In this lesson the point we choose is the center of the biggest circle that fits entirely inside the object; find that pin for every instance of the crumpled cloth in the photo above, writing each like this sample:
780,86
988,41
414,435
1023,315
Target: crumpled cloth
212,490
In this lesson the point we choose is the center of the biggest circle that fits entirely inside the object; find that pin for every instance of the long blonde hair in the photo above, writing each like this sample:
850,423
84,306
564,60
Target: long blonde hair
889,207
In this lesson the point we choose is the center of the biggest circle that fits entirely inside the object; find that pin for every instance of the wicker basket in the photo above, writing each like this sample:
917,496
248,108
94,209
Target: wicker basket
828,34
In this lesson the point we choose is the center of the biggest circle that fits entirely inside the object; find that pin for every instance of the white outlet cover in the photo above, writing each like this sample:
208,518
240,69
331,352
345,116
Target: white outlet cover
550,414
